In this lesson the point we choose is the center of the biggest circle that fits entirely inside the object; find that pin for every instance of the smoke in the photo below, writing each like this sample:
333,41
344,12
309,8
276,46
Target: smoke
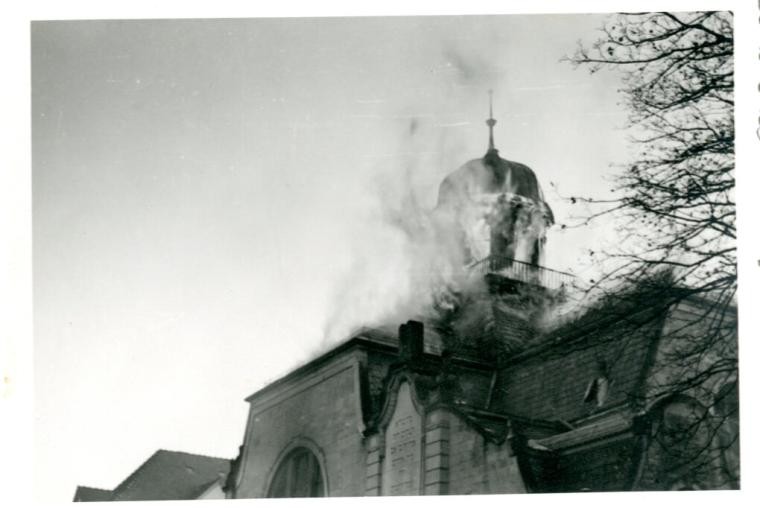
412,258
521,223
406,262
469,66
416,261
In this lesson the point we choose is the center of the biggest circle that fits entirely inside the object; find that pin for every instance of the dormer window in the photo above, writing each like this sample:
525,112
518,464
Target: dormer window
597,391
598,388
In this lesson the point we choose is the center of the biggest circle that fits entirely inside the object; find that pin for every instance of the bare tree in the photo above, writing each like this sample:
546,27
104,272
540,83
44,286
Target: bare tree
675,210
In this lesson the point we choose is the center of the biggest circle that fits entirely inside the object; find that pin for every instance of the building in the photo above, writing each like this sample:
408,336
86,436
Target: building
167,475
492,392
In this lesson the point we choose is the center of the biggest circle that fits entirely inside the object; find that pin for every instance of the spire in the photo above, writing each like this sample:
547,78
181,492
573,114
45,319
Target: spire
490,122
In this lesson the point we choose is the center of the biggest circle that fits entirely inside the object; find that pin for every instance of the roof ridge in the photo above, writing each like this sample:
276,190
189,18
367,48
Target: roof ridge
124,485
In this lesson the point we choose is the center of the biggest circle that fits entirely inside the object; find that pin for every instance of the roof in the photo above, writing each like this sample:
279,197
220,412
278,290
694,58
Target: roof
171,475
380,340
491,175
605,465
614,424
368,337
552,382
87,494
599,456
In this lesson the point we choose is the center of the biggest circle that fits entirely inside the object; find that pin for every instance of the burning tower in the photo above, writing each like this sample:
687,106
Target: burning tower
495,211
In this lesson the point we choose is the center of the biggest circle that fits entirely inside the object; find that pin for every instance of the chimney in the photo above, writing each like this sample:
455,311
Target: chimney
411,341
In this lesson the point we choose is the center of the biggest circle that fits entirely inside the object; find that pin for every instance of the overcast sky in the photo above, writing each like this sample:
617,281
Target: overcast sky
209,195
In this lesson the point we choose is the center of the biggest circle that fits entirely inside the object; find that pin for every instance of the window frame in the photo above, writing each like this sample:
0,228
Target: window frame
286,459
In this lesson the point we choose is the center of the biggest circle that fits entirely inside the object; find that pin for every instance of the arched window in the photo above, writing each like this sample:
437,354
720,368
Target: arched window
298,475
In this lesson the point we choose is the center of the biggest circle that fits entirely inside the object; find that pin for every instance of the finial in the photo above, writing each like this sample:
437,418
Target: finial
490,122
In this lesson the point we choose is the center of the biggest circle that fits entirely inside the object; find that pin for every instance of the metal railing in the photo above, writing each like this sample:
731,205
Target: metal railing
523,272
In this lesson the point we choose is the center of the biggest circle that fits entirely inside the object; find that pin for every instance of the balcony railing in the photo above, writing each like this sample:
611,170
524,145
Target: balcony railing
523,272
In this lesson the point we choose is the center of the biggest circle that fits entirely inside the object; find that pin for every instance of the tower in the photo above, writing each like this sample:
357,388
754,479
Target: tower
497,207
496,212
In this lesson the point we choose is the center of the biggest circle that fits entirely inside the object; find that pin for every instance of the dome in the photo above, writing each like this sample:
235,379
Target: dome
491,175
492,207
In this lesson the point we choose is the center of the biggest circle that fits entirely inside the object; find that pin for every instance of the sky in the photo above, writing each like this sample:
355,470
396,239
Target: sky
210,202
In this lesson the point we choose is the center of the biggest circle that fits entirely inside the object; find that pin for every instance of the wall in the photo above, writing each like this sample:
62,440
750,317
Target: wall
213,492
453,459
321,409
478,466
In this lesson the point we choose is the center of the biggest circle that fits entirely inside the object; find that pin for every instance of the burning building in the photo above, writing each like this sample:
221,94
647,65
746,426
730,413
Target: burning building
496,208
480,395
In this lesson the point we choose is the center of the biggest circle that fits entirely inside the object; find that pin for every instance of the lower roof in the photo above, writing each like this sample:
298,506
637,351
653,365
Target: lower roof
172,475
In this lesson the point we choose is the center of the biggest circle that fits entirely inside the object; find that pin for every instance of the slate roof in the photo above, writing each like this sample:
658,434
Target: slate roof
549,381
171,475
599,449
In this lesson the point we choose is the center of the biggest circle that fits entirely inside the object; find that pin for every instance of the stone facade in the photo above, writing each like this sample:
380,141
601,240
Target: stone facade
414,441
321,411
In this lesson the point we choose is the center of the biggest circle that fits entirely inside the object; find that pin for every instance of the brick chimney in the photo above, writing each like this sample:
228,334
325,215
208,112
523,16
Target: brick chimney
411,340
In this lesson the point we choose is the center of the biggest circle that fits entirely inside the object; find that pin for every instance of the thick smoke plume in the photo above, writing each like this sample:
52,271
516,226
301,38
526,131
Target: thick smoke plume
416,250
409,262
422,260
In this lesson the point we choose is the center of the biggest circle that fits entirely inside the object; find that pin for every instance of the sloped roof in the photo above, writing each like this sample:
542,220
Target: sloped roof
87,494
549,380
171,475
600,449
605,466
374,338
599,456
